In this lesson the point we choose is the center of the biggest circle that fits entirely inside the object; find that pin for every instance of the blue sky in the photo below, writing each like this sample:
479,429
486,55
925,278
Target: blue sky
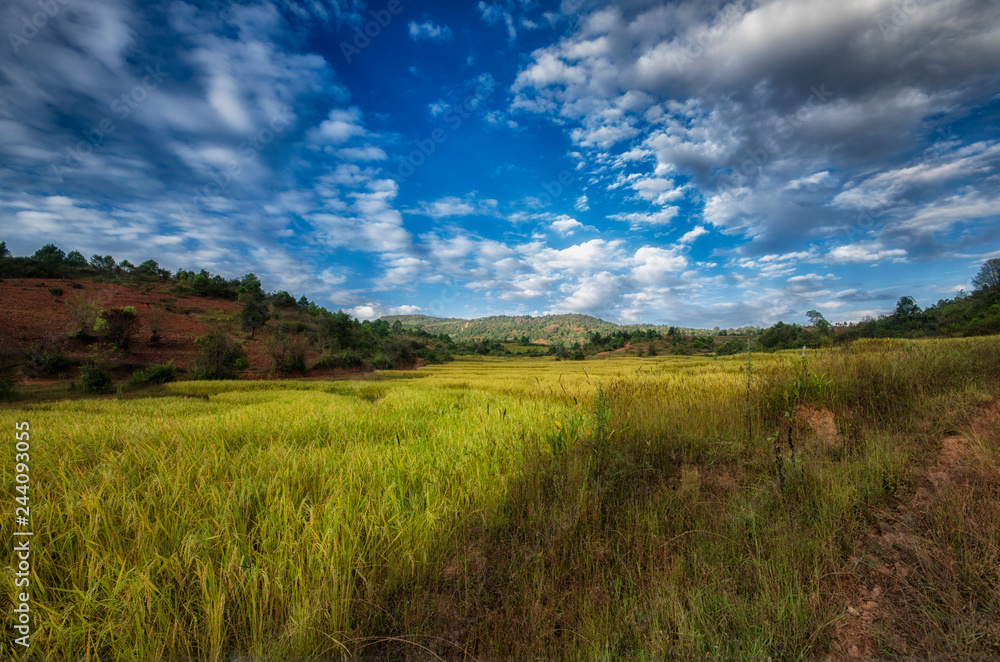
698,163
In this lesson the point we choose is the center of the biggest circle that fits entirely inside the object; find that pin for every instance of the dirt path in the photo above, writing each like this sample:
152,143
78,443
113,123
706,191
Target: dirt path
868,585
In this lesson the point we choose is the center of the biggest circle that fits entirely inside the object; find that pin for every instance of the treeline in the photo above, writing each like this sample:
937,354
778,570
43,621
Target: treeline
967,314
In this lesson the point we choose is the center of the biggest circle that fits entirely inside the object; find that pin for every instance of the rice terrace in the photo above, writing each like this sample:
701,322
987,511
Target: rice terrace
497,330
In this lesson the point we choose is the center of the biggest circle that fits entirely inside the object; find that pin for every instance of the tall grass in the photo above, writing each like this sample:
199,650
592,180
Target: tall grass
488,507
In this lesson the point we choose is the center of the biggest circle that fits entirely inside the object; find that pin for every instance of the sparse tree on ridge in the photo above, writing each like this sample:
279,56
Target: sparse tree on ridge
816,319
988,276
49,253
907,307
76,259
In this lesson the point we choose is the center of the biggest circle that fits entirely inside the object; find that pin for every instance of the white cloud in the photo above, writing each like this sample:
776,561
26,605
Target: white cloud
566,226
689,236
449,206
640,219
430,31
653,264
340,126
865,251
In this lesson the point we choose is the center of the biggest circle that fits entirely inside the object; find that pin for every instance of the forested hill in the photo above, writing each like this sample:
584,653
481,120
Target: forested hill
544,329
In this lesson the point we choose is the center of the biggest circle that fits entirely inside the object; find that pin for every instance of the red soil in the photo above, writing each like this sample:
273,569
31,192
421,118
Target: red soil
29,313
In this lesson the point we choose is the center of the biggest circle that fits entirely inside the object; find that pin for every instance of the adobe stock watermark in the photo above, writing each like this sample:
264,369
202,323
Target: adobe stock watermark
758,156
454,117
901,13
95,137
554,189
445,298
365,34
30,25
246,151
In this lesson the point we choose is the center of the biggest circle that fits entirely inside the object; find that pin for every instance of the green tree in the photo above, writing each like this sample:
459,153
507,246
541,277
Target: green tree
249,287
3,250
150,269
76,259
989,275
255,314
907,307
282,299
816,319
49,253
102,262
118,325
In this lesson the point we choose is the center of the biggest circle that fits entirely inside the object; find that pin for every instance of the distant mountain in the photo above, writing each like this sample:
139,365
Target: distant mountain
545,329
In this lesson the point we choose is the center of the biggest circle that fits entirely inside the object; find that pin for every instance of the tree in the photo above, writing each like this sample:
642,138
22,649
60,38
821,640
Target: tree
989,275
397,328
220,357
255,314
76,259
151,269
282,299
249,287
907,307
816,319
3,250
118,324
102,262
49,253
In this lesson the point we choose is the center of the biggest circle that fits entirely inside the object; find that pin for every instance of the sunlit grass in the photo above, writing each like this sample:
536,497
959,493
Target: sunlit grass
419,511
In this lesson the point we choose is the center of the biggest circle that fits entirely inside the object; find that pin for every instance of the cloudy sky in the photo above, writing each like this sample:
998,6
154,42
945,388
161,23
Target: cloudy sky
699,163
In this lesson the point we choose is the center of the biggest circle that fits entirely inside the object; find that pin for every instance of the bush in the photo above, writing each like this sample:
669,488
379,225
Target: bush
56,291
118,324
730,347
220,357
346,359
287,354
154,374
8,388
95,378
46,359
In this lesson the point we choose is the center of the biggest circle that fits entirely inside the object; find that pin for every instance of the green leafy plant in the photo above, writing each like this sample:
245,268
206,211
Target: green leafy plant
567,435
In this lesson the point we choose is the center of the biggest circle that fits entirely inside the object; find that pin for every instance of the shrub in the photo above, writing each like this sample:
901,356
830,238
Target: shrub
56,291
46,359
220,356
154,374
118,325
346,359
95,378
287,354
8,388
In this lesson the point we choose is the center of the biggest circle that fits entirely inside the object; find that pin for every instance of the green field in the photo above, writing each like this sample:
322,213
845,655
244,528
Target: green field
623,508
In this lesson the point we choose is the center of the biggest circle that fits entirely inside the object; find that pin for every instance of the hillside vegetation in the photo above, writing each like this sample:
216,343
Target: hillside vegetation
545,329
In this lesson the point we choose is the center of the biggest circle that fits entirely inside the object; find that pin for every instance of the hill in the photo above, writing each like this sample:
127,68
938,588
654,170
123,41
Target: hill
545,329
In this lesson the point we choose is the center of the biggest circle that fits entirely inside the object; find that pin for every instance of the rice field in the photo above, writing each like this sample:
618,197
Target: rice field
614,508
